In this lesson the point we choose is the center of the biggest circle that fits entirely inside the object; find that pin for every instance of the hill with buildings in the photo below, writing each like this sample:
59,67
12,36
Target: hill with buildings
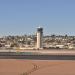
30,41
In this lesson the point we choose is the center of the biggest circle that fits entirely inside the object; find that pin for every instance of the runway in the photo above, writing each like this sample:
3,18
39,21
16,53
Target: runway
22,55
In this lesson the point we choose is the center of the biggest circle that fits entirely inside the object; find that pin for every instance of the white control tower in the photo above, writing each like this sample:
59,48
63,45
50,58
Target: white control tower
39,37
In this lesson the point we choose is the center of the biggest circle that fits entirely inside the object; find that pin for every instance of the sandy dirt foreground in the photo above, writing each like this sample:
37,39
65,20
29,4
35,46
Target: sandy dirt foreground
36,67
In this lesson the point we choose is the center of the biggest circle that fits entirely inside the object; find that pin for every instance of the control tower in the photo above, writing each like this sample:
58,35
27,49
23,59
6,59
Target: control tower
39,37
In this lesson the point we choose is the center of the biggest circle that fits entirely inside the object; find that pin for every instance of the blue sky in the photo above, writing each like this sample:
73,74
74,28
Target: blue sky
18,17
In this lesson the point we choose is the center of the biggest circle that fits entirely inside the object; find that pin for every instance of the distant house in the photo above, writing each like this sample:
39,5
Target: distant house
60,46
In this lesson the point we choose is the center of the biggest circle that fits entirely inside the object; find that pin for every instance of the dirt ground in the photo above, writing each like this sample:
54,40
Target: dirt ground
36,67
